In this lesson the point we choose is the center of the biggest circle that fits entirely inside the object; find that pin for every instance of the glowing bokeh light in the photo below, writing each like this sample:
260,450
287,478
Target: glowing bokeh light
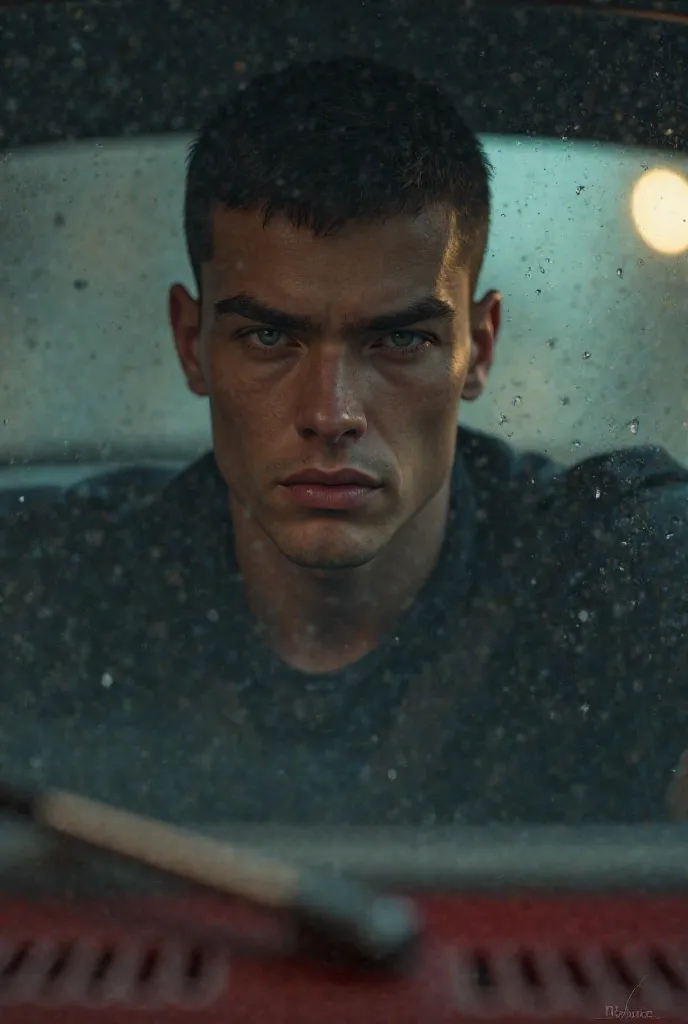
659,207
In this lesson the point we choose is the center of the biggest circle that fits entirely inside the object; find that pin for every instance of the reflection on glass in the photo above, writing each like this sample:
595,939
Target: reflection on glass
346,613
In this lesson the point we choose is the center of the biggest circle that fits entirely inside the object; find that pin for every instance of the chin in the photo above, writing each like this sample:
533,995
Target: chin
331,547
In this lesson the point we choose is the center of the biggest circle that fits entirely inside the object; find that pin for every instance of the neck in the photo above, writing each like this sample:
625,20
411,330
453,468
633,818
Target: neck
321,621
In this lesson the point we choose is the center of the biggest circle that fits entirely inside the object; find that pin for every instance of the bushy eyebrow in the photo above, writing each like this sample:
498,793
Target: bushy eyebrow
244,305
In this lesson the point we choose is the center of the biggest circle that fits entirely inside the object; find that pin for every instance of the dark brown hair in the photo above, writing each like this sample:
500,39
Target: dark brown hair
330,142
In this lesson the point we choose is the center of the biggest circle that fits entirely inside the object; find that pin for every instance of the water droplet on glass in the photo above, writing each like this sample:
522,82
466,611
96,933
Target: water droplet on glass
583,615
517,399
106,680
598,492
633,426
619,272
502,419
576,444
586,355
392,774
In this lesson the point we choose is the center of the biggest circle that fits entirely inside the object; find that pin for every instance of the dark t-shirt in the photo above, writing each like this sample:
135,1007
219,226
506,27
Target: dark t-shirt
541,675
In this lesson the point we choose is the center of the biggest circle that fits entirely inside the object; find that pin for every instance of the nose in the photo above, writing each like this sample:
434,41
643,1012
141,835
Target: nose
330,401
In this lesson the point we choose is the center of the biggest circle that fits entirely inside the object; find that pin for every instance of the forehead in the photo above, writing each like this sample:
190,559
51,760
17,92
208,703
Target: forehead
359,265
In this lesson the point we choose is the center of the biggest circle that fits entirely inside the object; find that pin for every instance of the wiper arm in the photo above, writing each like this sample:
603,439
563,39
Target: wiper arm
334,918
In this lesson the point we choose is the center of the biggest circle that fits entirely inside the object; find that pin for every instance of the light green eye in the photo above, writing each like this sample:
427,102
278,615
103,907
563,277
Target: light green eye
268,336
405,342
404,339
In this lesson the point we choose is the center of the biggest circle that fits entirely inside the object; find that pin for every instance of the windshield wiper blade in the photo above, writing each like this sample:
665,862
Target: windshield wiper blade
334,919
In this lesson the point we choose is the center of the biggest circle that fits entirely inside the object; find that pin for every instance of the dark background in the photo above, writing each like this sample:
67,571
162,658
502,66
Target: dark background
78,70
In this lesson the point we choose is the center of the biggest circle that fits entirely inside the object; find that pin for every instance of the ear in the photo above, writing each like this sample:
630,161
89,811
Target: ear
184,314
485,321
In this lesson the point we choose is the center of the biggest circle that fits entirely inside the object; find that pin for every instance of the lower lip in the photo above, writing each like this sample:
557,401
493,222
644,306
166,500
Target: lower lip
336,498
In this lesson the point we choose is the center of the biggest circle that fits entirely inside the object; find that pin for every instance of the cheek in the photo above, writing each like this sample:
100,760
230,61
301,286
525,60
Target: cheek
232,395
248,424
433,404
240,438
437,424
430,420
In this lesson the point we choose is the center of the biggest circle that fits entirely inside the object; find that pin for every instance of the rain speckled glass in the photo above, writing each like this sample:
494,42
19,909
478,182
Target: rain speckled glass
343,418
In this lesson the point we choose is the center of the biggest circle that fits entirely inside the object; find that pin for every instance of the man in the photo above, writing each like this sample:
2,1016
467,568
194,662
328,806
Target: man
349,612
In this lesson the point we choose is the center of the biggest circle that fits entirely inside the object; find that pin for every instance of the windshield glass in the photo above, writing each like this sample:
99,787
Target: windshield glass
255,269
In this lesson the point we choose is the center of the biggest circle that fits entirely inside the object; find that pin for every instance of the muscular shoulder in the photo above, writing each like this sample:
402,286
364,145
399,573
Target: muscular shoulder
70,571
47,546
123,515
606,546
504,477
628,513
41,551
619,607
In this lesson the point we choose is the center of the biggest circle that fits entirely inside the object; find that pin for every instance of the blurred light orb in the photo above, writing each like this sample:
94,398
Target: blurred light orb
659,207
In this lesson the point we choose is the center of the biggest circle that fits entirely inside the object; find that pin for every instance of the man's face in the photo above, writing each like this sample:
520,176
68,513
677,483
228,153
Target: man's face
345,355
